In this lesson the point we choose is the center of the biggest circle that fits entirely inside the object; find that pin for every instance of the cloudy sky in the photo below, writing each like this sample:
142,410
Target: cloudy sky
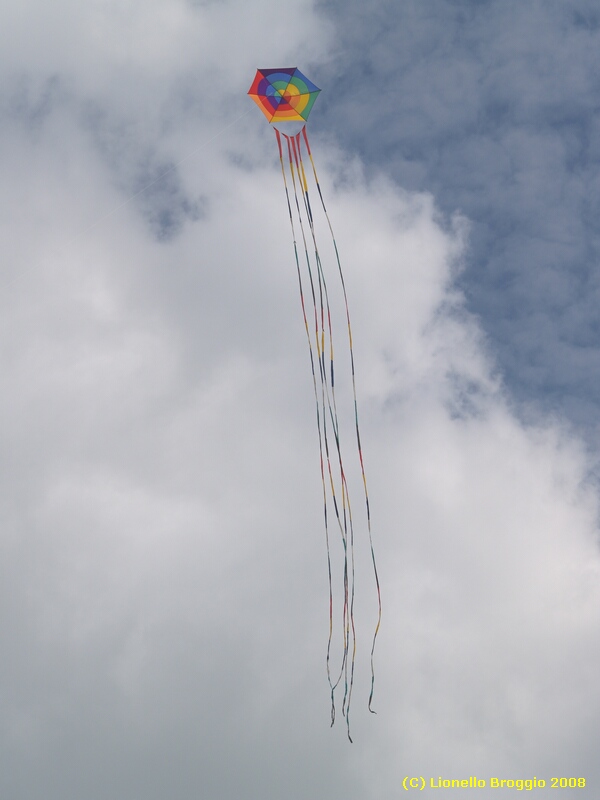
163,572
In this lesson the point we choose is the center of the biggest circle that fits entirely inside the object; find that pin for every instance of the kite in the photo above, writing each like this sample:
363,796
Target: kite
285,96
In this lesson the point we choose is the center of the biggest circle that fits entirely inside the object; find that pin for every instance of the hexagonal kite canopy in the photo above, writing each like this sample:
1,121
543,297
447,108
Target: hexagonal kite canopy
284,94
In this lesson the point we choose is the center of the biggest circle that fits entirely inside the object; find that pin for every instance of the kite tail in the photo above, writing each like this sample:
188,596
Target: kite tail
323,335
348,528
319,401
349,570
358,441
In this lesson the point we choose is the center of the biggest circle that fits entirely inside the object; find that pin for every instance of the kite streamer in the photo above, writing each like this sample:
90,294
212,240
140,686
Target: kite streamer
285,95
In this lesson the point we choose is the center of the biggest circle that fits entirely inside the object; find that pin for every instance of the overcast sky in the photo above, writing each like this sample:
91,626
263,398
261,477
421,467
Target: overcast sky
163,572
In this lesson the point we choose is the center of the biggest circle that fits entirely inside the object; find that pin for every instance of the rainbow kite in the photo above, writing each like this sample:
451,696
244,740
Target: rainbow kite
285,95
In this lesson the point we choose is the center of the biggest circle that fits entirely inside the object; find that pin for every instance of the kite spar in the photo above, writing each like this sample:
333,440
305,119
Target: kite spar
285,95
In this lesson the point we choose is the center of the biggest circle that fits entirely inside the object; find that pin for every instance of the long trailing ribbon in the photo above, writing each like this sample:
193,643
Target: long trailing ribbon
327,416
358,442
